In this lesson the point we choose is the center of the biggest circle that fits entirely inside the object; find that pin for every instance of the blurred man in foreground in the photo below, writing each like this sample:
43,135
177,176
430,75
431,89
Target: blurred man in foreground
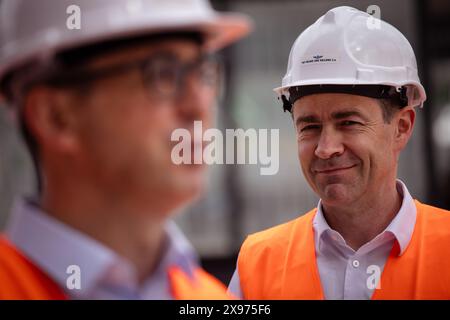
97,103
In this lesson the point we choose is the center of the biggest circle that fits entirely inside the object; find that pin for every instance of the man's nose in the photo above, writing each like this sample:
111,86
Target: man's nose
195,103
329,144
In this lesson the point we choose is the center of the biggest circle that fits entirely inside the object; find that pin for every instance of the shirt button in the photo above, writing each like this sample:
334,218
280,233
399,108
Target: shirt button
355,263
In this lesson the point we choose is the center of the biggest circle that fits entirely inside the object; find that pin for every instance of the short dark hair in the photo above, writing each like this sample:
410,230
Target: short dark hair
388,109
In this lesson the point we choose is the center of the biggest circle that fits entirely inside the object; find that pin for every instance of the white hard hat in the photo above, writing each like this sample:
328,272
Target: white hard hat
38,29
350,47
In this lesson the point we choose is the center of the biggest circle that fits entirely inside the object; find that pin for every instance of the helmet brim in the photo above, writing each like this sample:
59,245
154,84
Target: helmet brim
220,30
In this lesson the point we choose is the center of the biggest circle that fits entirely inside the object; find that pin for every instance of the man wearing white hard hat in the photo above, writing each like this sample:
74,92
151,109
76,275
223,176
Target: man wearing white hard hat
352,90
97,101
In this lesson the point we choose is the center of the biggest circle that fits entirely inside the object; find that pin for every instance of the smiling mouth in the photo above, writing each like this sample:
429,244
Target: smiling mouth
335,170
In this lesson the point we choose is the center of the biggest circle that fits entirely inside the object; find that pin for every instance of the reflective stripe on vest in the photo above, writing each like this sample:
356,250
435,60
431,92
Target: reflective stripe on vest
280,263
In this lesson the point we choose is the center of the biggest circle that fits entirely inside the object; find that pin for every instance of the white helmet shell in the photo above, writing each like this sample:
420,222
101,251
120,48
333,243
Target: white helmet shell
38,29
345,47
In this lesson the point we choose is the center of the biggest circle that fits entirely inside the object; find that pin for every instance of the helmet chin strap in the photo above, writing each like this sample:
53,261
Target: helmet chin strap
287,105
396,95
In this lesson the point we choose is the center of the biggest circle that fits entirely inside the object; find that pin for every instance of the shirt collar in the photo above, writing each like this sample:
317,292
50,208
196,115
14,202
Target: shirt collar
178,251
401,227
54,246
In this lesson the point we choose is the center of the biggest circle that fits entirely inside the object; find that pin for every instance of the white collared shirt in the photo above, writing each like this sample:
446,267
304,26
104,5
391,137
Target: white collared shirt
54,246
344,272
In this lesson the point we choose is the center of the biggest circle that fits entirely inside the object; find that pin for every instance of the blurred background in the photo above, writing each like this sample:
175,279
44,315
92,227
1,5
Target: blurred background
239,200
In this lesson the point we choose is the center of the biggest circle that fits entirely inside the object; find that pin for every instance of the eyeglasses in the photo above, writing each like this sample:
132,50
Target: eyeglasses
164,75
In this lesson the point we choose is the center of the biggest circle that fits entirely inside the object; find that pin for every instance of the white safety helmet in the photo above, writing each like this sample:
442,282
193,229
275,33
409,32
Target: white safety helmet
348,48
38,29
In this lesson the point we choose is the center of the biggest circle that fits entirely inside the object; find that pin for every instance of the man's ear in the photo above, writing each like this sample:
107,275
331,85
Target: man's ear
49,115
404,124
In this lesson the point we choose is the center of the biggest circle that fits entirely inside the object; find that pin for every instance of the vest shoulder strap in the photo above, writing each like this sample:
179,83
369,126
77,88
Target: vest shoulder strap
271,259
423,270
202,286
21,280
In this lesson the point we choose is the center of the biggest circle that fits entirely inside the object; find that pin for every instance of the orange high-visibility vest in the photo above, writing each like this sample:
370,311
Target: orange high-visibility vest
280,263
20,279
